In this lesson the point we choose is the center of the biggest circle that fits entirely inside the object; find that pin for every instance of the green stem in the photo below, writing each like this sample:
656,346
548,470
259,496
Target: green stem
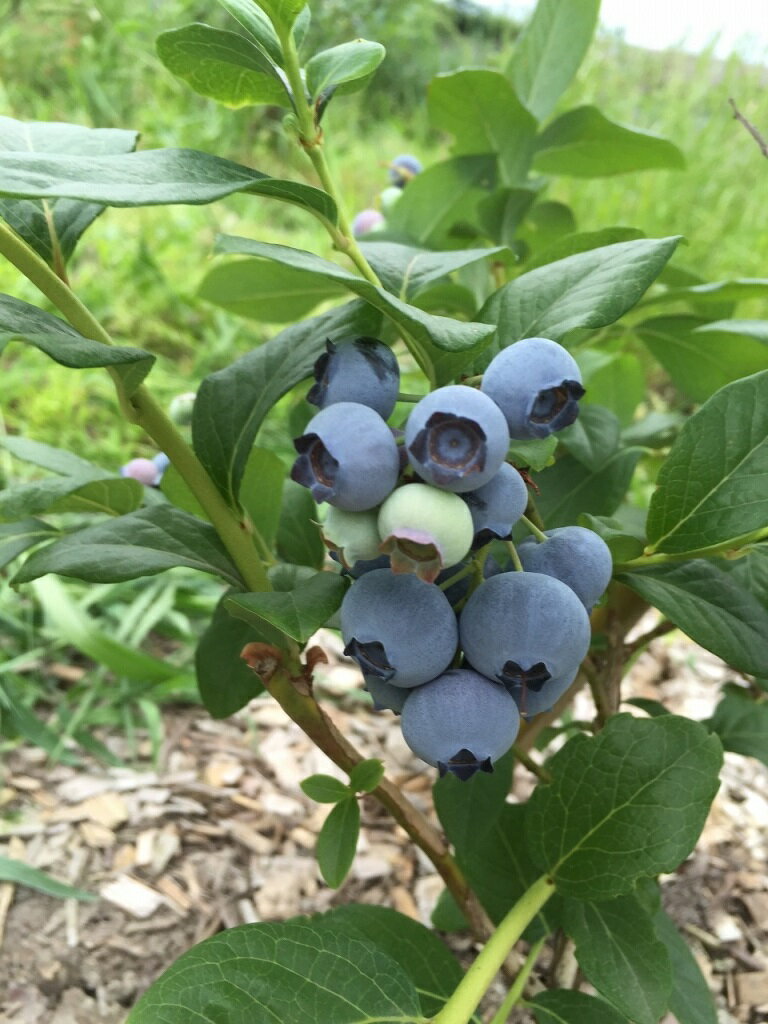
514,556
724,550
471,989
514,994
142,409
533,766
403,396
533,528
311,139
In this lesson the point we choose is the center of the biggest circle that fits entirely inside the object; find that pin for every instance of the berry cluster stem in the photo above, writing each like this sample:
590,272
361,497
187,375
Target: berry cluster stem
471,989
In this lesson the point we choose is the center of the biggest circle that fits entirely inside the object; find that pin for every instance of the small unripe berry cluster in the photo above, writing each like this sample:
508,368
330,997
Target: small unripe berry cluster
445,637
400,170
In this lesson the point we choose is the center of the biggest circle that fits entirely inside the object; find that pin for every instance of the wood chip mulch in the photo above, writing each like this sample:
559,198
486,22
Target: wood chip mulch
218,833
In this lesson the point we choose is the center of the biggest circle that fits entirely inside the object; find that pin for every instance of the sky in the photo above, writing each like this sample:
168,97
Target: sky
740,25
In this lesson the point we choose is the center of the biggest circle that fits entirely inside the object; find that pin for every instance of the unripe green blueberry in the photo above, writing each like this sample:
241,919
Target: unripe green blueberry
424,529
389,197
180,409
353,535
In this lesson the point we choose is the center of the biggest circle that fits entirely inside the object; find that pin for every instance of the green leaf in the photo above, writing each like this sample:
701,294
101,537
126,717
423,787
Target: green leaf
593,438
561,1006
656,430
481,110
501,213
619,953
447,915
420,953
366,775
750,570
151,177
293,973
17,873
222,65
550,50
282,13
499,869
582,241
713,292
255,21
232,403
113,496
15,538
54,228
591,289
423,328
299,612
142,543
596,840
615,380
57,460
534,454
298,538
546,225
406,270
713,487
468,810
261,492
266,291
583,143
19,321
691,1000
343,68
337,842
568,489
178,492
702,357
626,540
713,609
441,196
325,789
225,681
742,725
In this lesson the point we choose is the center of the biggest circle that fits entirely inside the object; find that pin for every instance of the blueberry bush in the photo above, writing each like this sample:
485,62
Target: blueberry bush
583,438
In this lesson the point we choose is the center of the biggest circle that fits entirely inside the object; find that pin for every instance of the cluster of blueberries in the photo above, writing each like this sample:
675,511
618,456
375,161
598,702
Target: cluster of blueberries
458,642
400,170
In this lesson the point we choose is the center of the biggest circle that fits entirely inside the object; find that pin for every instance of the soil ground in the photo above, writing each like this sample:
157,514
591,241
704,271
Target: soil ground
217,833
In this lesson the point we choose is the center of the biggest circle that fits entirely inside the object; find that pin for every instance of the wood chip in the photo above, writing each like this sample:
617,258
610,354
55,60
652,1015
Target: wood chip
98,837
16,851
222,772
132,896
752,988
179,900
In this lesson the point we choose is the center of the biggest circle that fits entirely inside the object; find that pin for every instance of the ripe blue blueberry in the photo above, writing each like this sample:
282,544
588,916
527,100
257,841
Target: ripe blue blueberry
532,702
403,168
456,438
367,222
398,628
360,370
497,505
537,385
347,457
424,529
460,722
386,697
523,629
575,555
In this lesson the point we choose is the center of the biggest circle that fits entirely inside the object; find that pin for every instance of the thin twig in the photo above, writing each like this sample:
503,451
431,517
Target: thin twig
762,144
660,629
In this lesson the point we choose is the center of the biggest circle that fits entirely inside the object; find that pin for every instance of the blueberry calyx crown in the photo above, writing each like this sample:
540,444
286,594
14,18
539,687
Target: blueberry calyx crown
315,467
464,764
371,657
417,554
513,677
451,446
557,407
